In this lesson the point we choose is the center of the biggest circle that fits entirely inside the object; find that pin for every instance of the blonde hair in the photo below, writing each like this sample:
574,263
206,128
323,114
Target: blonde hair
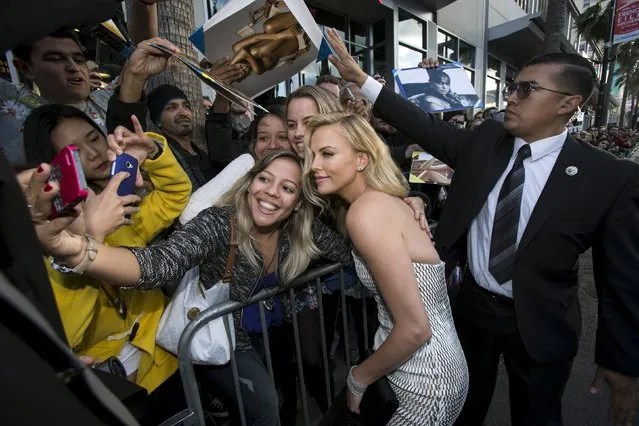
381,173
297,227
326,103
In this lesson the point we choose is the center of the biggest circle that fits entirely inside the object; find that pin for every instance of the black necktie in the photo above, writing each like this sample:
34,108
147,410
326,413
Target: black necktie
503,244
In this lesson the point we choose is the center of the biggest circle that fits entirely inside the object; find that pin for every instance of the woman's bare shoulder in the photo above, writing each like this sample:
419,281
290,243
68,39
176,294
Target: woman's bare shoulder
371,208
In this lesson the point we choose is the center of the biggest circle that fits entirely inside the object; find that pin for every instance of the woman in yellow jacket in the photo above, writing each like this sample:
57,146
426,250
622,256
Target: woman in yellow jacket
102,321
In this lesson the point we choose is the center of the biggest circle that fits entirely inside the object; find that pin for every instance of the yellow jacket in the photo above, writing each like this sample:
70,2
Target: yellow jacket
92,325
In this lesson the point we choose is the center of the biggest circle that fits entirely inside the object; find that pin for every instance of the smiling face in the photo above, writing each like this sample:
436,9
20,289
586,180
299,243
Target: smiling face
274,193
59,69
271,136
298,112
91,144
335,162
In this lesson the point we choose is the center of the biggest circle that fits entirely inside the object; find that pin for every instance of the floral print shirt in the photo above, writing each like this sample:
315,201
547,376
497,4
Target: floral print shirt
17,102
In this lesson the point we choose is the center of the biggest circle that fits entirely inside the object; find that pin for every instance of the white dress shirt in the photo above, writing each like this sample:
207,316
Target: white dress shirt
538,166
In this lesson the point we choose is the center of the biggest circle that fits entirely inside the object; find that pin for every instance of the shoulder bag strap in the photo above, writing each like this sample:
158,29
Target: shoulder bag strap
228,273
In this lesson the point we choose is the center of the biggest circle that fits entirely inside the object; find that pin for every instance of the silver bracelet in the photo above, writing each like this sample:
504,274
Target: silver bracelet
354,387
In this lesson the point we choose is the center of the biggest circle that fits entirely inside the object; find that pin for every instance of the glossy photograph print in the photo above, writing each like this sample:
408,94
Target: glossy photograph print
273,39
445,88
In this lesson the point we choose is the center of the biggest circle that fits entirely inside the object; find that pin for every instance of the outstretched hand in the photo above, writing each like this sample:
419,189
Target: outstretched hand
344,63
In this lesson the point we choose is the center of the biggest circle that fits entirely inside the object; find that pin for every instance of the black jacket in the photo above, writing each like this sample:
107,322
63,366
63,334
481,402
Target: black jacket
598,207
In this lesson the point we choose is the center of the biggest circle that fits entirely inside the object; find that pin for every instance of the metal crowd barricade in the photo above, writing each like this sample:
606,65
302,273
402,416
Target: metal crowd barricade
194,413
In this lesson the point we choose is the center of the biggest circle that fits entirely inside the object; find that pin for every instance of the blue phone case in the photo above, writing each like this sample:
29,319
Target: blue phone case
125,163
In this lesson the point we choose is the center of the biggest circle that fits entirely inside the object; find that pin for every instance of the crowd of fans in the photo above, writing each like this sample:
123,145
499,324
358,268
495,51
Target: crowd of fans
181,179
616,140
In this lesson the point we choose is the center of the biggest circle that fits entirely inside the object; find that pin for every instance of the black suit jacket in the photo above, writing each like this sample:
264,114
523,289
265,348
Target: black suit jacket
598,207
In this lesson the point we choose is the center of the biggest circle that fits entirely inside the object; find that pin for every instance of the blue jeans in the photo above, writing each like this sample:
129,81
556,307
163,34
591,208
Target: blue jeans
259,397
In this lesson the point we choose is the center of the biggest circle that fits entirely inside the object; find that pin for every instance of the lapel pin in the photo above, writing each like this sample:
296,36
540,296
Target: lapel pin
571,170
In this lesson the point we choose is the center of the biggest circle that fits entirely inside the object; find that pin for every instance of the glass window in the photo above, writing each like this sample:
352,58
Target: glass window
410,30
280,90
470,74
379,32
492,92
494,67
358,34
408,58
446,46
466,54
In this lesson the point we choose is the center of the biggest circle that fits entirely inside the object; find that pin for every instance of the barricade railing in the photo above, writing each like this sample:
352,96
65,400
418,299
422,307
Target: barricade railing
194,413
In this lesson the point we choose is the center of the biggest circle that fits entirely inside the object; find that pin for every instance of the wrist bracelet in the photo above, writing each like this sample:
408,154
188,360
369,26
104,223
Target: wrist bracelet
89,256
354,387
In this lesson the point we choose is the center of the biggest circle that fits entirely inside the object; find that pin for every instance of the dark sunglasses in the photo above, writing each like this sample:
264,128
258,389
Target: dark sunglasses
524,88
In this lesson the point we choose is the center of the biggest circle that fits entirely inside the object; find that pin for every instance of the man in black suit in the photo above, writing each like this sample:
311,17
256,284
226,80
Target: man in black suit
525,202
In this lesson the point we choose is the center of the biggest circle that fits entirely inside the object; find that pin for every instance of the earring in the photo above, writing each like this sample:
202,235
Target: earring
296,209
360,169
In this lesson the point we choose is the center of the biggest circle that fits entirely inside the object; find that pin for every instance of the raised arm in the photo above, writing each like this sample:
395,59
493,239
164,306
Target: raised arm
375,231
148,267
440,139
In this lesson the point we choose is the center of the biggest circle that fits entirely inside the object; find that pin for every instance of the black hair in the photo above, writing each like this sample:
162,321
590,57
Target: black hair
577,75
450,114
38,147
437,75
276,107
23,50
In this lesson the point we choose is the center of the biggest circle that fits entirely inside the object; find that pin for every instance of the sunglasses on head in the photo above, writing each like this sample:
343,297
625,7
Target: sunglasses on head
524,88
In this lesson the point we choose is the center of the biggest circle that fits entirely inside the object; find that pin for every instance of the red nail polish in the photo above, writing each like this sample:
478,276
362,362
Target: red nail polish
47,188
40,169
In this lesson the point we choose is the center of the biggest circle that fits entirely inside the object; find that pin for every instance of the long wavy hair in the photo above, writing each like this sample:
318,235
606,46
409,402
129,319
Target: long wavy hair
381,173
326,103
297,227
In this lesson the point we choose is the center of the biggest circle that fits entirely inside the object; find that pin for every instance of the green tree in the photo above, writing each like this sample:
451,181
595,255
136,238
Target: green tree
627,73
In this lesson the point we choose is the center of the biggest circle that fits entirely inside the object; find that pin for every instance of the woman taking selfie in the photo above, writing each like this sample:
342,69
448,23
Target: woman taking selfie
101,321
416,345
276,234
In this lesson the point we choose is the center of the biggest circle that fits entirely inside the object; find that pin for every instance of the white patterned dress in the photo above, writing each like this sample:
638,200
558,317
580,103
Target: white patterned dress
431,386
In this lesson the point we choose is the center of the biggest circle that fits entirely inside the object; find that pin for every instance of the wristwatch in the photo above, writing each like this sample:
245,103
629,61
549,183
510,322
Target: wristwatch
89,257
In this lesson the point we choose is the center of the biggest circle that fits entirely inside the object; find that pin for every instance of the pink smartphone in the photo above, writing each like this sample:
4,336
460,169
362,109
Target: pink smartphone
66,169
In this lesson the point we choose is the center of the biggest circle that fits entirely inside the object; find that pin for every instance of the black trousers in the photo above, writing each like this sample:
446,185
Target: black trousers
487,328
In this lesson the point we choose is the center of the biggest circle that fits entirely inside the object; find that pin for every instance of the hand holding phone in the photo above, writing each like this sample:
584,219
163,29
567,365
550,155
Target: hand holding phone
67,171
125,163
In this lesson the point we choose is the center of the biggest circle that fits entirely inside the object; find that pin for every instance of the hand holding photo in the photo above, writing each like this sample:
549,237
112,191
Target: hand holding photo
445,88
229,93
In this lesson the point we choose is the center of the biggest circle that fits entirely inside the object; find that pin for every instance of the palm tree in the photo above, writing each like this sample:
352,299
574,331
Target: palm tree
628,72
556,17
594,24
176,22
